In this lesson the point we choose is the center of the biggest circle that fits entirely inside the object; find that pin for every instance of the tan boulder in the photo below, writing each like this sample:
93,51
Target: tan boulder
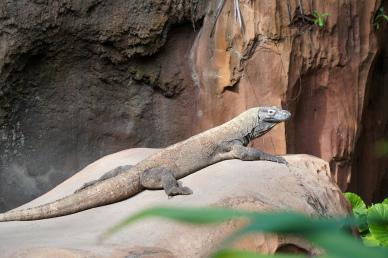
304,186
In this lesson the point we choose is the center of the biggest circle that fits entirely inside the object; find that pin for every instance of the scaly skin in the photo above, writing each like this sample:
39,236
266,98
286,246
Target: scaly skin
161,170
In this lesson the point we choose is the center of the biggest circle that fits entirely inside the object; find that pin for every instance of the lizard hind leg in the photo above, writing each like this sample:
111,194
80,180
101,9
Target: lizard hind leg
109,174
161,177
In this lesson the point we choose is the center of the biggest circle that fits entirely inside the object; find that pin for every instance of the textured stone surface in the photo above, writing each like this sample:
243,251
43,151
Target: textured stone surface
332,79
304,186
116,252
82,79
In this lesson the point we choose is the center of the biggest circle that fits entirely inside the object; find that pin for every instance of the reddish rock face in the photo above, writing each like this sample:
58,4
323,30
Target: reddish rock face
322,75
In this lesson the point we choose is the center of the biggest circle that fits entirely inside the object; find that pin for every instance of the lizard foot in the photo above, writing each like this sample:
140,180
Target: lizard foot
181,190
277,159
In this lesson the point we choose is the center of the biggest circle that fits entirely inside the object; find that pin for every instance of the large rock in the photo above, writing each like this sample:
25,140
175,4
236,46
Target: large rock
304,186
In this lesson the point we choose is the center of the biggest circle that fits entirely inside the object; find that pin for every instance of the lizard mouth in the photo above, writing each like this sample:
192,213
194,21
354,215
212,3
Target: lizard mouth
280,116
261,130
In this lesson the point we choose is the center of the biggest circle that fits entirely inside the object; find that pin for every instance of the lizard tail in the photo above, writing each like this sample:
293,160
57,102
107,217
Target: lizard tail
106,192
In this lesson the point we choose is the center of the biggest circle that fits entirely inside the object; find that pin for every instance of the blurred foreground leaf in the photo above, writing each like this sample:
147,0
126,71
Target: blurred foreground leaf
188,215
322,232
244,254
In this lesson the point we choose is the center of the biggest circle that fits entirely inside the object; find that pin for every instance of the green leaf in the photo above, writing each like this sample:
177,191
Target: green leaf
319,18
244,254
265,222
381,146
321,22
338,244
321,232
188,215
385,201
378,222
289,223
370,240
359,211
355,201
293,223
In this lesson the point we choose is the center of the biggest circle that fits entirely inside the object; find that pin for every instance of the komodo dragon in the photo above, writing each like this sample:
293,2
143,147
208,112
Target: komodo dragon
161,170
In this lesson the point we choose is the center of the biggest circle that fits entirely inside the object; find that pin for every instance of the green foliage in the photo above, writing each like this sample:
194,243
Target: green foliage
359,211
372,221
194,217
324,233
320,18
378,223
380,16
244,254
382,148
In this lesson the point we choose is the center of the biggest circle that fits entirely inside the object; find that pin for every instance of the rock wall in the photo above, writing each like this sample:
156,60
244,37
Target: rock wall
82,79
322,75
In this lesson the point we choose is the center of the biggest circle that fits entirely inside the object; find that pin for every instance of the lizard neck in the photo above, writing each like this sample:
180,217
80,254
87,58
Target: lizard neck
247,127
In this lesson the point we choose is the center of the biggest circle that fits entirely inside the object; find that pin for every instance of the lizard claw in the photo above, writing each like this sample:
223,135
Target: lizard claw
183,190
276,159
282,160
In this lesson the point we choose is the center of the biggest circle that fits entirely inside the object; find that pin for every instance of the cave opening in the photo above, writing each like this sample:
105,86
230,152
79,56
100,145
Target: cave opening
369,169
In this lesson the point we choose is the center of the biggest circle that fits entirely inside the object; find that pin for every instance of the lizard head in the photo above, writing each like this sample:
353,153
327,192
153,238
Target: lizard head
268,117
273,114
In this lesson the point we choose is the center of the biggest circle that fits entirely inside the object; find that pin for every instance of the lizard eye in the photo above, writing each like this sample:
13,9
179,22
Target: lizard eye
271,112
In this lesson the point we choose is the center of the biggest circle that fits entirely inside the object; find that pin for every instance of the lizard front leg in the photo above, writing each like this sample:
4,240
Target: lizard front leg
162,177
247,153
